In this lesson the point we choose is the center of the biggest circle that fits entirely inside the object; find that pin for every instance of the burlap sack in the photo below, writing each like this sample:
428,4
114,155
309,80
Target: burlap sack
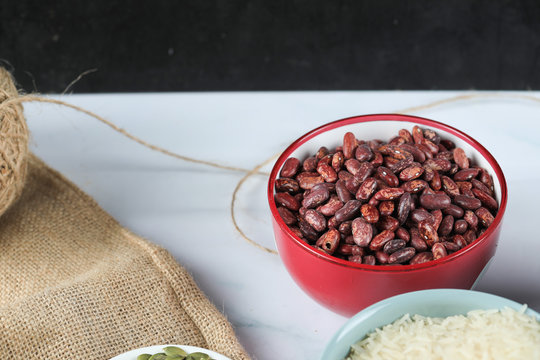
74,284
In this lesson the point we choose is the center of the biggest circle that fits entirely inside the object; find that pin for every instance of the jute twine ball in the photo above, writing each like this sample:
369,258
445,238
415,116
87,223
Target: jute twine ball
13,142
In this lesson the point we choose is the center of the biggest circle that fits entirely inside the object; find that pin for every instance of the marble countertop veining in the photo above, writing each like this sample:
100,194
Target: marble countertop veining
185,206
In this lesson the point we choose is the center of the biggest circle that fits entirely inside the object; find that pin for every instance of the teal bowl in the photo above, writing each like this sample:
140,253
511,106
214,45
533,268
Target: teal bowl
434,303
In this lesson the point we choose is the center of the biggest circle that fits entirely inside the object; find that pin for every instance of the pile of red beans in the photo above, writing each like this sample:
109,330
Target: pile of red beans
411,200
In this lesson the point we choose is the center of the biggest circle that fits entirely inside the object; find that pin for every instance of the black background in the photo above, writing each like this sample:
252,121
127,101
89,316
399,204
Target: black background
271,45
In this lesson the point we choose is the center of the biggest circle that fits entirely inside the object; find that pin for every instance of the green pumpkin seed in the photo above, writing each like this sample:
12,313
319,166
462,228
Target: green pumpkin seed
198,356
144,357
158,356
173,350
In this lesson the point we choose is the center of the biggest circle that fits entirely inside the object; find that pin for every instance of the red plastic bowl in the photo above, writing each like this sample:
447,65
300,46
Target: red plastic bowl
345,287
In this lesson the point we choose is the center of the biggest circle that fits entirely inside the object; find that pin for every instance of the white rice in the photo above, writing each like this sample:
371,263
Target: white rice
480,335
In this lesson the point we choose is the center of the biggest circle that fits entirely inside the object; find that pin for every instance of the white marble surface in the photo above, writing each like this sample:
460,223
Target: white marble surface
185,207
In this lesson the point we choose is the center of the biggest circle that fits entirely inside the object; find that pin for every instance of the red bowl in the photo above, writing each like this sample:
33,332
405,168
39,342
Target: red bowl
346,287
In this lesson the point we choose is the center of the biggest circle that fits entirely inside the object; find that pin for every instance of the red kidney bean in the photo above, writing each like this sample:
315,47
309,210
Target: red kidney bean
352,184
486,179
369,260
432,136
404,133
402,233
388,193
317,196
377,159
394,245
449,144
412,172
466,174
460,226
436,181
348,240
373,201
449,186
362,232
342,192
438,164
286,215
435,201
287,185
485,217
425,150
437,218
460,158
421,214
460,241
338,159
469,236
404,207
331,206
307,180
380,239
325,160
363,153
349,145
477,184
306,230
418,155
447,224
287,200
365,171
429,173
370,213
348,249
329,241
332,222
401,256
402,164
417,134
327,172
345,227
310,164
467,202
322,152
414,186
352,166
416,240
348,211
445,154
315,219
439,251
453,210
471,219
386,208
382,257
290,167
387,176
428,232
355,259
367,189
486,200
421,257
387,223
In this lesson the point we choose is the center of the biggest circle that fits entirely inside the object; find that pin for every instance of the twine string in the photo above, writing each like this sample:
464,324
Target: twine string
35,98
248,172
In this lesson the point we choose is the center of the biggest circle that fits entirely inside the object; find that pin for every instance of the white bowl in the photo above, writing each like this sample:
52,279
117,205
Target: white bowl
132,355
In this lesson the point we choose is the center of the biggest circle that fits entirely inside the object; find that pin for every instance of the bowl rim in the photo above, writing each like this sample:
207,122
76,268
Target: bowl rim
387,117
430,295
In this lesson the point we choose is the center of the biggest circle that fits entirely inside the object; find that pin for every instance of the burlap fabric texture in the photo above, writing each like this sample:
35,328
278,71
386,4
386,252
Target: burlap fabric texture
74,284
